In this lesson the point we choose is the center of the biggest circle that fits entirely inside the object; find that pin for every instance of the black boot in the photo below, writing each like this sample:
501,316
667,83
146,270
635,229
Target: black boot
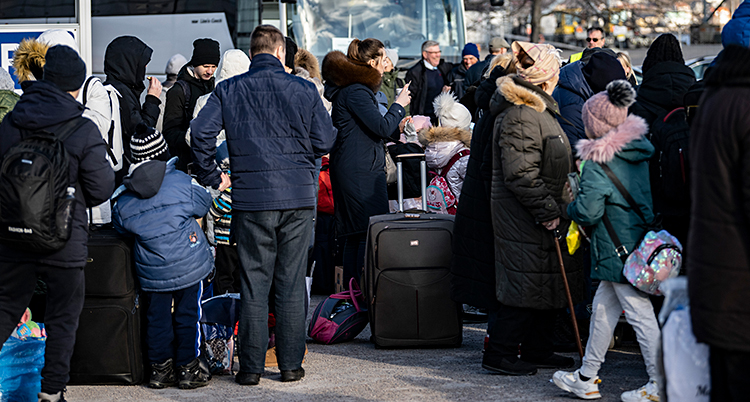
162,375
193,375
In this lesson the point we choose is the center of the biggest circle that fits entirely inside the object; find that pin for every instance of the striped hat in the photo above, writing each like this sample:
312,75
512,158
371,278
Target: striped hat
148,144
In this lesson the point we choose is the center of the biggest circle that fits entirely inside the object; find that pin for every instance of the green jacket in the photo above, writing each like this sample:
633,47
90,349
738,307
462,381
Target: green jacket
8,100
390,83
626,151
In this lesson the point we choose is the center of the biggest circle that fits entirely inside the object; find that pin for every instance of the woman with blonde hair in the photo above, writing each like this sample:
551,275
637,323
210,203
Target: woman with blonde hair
624,59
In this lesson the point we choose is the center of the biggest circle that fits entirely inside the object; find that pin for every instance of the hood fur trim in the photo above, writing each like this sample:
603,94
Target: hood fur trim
444,134
519,95
604,148
29,57
342,71
306,60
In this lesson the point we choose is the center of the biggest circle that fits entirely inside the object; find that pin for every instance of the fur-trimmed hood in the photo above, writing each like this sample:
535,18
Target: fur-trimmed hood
516,91
28,59
341,71
628,140
444,134
306,60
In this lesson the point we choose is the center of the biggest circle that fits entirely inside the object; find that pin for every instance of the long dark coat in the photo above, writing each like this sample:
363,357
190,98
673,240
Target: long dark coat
531,160
357,163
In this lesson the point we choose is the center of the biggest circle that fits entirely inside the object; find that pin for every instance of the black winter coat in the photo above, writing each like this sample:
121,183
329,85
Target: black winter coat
357,163
418,88
531,159
473,264
718,248
43,106
125,63
662,90
177,117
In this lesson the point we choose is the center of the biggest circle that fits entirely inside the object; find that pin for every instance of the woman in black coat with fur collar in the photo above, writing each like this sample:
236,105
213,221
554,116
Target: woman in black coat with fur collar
357,163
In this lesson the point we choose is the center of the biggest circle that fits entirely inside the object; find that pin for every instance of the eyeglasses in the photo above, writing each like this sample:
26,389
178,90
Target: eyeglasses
437,52
592,40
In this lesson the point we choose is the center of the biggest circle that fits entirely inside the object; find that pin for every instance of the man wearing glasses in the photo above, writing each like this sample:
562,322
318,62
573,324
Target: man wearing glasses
428,79
594,39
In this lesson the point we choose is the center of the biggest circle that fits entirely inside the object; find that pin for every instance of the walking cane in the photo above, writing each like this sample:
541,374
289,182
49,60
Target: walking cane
567,293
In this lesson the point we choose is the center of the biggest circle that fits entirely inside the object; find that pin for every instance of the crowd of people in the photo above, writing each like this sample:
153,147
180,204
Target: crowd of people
221,177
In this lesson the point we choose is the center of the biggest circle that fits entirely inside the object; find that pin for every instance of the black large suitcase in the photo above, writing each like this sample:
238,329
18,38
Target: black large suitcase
407,279
108,341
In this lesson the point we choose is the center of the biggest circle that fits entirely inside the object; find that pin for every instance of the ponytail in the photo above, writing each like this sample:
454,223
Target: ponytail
365,50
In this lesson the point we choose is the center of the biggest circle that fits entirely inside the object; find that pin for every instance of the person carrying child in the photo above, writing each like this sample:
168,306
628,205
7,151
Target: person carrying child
159,205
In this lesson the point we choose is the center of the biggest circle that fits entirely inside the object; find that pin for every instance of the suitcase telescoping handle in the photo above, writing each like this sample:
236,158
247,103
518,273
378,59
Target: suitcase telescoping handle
400,179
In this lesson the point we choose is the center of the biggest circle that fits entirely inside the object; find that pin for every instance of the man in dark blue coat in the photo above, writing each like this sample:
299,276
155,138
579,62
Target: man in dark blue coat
47,105
276,125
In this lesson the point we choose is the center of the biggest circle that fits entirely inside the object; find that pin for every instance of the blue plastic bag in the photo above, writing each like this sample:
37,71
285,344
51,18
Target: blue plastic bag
21,365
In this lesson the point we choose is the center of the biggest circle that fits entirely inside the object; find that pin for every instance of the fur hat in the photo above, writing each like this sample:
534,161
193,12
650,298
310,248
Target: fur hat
174,64
205,51
28,60
148,144
393,55
608,109
450,113
64,68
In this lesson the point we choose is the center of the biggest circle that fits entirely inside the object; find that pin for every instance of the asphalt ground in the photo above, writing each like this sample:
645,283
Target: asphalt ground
637,55
356,371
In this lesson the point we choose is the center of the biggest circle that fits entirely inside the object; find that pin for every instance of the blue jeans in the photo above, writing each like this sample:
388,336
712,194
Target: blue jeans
272,246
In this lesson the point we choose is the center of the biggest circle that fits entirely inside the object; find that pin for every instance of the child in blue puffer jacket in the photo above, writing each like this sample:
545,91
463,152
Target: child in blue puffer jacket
159,205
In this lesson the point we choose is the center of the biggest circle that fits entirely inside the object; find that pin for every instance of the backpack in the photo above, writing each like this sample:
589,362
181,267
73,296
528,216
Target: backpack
670,166
113,138
37,201
187,92
440,197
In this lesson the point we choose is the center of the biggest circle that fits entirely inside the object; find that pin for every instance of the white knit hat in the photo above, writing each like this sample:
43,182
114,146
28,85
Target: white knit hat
393,55
450,113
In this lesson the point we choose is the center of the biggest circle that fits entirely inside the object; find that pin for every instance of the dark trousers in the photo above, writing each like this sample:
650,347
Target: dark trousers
729,371
227,270
65,292
174,335
529,328
354,258
272,248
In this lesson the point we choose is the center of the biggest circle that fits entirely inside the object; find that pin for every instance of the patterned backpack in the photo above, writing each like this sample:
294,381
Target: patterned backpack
440,197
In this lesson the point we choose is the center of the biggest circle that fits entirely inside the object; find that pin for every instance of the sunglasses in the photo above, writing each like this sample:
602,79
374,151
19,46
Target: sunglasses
592,40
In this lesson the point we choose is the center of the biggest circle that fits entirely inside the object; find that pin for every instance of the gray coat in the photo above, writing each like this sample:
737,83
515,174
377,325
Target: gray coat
531,160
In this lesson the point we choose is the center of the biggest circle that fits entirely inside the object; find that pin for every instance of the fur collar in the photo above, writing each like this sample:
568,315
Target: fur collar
520,94
604,148
28,59
342,72
444,134
307,61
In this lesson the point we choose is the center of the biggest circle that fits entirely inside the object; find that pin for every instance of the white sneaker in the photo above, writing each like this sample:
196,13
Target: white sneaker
572,382
648,392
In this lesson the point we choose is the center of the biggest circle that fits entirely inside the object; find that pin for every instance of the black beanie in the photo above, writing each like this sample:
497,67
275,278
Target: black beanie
291,51
601,70
148,144
665,48
205,51
64,68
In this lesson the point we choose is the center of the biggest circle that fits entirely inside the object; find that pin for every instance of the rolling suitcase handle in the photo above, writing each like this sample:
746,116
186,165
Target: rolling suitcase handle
400,179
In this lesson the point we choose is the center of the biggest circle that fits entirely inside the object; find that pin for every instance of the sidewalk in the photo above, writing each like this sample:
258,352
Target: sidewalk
356,371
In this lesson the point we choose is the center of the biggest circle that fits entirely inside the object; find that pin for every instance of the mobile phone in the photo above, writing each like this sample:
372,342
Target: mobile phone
574,182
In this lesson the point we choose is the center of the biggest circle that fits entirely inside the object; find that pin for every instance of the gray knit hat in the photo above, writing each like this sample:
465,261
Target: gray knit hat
148,144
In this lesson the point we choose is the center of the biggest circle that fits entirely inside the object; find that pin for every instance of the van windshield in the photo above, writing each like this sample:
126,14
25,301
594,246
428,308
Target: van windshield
324,25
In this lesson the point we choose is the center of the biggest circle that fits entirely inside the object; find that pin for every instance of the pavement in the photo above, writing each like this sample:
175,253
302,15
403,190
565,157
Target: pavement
356,371
637,55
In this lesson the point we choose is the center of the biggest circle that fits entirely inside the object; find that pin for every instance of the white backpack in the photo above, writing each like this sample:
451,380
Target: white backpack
113,137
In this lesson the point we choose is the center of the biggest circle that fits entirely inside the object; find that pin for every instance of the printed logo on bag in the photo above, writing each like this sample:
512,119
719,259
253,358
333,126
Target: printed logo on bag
414,243
20,230
193,237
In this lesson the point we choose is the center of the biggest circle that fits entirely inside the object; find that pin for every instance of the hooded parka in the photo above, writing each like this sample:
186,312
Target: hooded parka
571,93
125,63
662,90
626,151
357,163
531,161
440,145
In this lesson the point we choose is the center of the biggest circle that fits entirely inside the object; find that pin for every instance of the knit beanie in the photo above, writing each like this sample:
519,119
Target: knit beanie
174,64
450,113
665,48
205,51
608,109
546,61
291,51
148,144
393,55
64,68
601,70
470,49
